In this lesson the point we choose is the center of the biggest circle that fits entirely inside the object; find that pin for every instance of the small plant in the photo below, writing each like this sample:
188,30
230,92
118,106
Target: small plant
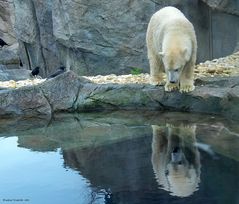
136,71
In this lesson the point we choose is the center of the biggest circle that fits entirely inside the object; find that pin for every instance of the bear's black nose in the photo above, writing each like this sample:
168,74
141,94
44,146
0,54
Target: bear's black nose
173,82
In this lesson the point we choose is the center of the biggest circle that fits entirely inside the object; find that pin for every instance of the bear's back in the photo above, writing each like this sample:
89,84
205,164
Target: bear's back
168,16
168,12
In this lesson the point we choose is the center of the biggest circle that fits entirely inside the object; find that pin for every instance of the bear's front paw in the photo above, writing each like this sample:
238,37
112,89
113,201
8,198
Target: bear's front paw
171,87
184,88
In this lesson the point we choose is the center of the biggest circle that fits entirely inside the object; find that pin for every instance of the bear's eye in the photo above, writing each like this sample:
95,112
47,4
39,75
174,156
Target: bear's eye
176,70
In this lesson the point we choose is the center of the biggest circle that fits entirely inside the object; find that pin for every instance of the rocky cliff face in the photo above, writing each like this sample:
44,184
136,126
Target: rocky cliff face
227,6
101,37
86,36
6,21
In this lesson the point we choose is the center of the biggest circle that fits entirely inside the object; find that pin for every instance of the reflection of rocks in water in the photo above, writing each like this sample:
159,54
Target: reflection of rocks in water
113,152
38,143
175,159
120,167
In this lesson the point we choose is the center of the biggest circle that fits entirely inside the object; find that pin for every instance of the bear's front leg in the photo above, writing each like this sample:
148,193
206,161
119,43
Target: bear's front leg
156,71
186,79
186,85
171,86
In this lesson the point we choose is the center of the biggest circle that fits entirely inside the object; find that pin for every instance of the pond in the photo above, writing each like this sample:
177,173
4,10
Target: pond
120,157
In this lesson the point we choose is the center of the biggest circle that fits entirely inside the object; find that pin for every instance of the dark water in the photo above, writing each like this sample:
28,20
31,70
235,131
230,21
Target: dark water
120,157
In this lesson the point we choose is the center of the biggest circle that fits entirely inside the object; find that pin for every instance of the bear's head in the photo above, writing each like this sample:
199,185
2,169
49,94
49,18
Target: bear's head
174,61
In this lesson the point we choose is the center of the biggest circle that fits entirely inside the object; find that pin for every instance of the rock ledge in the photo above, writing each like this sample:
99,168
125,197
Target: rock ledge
70,93
217,92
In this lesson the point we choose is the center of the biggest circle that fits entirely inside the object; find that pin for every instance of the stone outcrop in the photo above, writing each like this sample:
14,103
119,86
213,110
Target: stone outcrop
227,6
70,93
90,37
9,57
14,74
7,19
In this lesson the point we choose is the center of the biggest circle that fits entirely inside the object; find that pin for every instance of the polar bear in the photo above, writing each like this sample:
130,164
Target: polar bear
172,48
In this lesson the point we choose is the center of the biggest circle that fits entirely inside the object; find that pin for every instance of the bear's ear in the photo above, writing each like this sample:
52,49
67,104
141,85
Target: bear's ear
161,54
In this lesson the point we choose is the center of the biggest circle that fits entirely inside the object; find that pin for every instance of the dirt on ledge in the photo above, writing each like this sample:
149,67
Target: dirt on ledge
222,67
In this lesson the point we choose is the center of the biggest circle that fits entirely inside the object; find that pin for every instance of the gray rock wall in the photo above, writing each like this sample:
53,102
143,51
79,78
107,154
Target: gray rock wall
101,37
6,21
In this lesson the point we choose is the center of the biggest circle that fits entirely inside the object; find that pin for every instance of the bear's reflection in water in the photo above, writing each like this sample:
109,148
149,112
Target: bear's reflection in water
176,159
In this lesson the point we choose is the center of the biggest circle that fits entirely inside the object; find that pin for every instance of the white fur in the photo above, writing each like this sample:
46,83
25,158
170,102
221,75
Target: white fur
172,45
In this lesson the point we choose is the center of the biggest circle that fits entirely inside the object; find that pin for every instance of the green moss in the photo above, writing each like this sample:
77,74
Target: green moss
136,71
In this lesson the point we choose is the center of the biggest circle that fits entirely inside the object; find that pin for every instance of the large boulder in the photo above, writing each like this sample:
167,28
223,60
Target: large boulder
27,101
9,57
7,19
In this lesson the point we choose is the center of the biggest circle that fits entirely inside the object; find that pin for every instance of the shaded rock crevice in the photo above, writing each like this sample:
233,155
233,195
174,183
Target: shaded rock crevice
74,104
39,39
48,101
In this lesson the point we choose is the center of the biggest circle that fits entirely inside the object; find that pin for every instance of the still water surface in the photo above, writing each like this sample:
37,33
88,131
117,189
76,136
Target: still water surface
120,157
